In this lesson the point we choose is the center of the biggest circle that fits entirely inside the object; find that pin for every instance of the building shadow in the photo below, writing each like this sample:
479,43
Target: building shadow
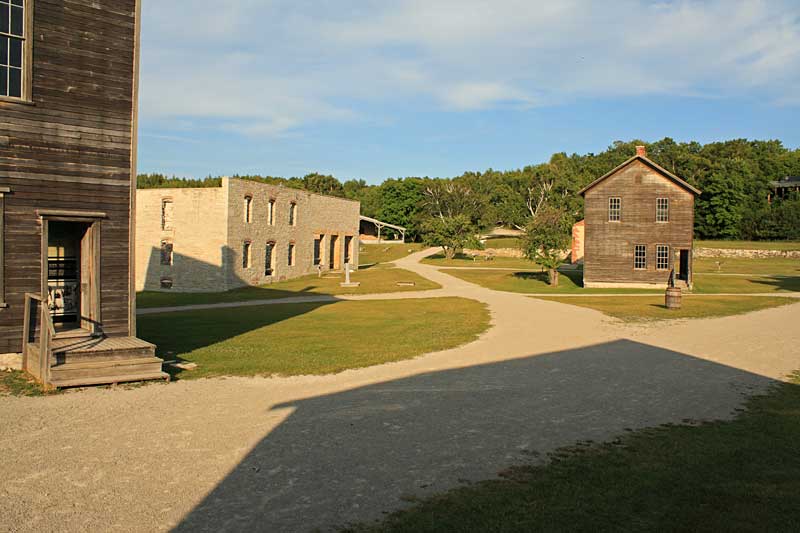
353,455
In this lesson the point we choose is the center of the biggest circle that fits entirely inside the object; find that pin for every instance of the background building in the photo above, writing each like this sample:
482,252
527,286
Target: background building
241,233
639,225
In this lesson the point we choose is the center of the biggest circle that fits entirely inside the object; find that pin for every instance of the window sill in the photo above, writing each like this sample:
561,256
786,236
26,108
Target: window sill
3,305
20,101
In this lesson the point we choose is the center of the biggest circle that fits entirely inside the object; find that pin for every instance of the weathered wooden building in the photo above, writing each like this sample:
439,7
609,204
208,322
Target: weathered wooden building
639,226
68,95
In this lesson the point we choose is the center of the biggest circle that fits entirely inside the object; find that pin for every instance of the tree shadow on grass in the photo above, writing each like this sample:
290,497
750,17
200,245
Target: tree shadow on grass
575,276
779,283
352,455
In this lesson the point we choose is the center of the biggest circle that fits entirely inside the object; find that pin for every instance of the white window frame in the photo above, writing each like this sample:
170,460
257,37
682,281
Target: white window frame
26,67
659,249
662,213
615,211
637,256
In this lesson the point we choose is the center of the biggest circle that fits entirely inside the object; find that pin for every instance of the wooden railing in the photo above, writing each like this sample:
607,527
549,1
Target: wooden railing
38,333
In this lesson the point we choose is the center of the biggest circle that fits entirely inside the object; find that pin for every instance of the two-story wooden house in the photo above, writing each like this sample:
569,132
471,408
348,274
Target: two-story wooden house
68,98
639,226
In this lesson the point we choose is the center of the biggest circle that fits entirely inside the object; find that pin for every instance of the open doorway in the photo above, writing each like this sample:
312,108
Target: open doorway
72,278
683,272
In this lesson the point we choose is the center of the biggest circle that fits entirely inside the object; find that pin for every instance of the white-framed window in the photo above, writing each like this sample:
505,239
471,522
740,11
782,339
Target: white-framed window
614,209
166,252
640,257
293,214
662,209
662,257
269,259
271,212
246,254
290,254
167,213
13,49
248,209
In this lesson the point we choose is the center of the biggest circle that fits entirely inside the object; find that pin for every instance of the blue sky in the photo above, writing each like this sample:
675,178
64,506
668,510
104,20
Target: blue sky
377,89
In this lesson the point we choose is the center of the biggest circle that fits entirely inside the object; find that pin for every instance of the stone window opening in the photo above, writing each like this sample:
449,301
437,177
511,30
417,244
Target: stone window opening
246,254
166,253
269,259
167,214
662,209
640,257
317,250
293,214
271,212
615,209
248,209
290,257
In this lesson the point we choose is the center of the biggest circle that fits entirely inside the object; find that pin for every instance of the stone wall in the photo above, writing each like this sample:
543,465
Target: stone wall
198,237
747,254
209,230
316,215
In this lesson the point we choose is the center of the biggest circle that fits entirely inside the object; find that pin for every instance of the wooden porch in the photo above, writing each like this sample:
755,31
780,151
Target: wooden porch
79,357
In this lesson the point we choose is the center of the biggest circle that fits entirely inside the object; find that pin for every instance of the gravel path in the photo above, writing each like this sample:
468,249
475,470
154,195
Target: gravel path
293,454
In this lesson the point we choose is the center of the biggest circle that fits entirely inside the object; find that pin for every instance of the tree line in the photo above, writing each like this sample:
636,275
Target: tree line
734,176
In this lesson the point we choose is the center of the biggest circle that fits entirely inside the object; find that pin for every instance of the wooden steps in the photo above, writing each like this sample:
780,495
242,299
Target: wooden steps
87,360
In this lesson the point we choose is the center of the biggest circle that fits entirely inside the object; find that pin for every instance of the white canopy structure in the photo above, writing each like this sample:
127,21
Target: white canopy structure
377,238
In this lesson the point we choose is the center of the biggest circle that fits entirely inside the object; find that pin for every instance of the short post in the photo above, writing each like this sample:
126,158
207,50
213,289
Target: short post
672,298
347,282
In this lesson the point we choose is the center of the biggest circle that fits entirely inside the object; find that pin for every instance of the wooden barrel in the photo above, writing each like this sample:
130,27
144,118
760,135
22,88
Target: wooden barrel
672,299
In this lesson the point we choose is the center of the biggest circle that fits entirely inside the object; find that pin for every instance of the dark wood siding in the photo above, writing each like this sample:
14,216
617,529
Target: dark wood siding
609,246
71,149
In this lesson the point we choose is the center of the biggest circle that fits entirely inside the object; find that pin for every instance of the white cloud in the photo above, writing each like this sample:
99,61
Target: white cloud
268,68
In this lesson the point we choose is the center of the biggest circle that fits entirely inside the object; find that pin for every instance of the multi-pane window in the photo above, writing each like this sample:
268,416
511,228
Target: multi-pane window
662,209
12,47
662,257
640,257
271,212
246,262
248,209
317,250
269,259
290,254
292,214
166,214
614,209
166,253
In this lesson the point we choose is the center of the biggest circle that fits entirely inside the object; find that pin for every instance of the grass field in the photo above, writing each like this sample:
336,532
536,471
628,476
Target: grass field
738,475
740,265
534,282
378,279
294,339
461,260
711,284
370,254
749,245
638,308
503,242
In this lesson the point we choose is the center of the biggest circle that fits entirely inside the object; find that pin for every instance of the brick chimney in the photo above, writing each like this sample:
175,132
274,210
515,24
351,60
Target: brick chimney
641,151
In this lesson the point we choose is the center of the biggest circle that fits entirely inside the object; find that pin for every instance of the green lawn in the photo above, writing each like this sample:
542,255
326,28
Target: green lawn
739,475
740,265
379,279
370,254
503,242
462,260
637,308
711,284
534,282
749,245
294,339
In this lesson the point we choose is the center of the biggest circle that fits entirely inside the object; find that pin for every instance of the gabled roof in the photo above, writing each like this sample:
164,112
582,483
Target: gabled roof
381,223
666,173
